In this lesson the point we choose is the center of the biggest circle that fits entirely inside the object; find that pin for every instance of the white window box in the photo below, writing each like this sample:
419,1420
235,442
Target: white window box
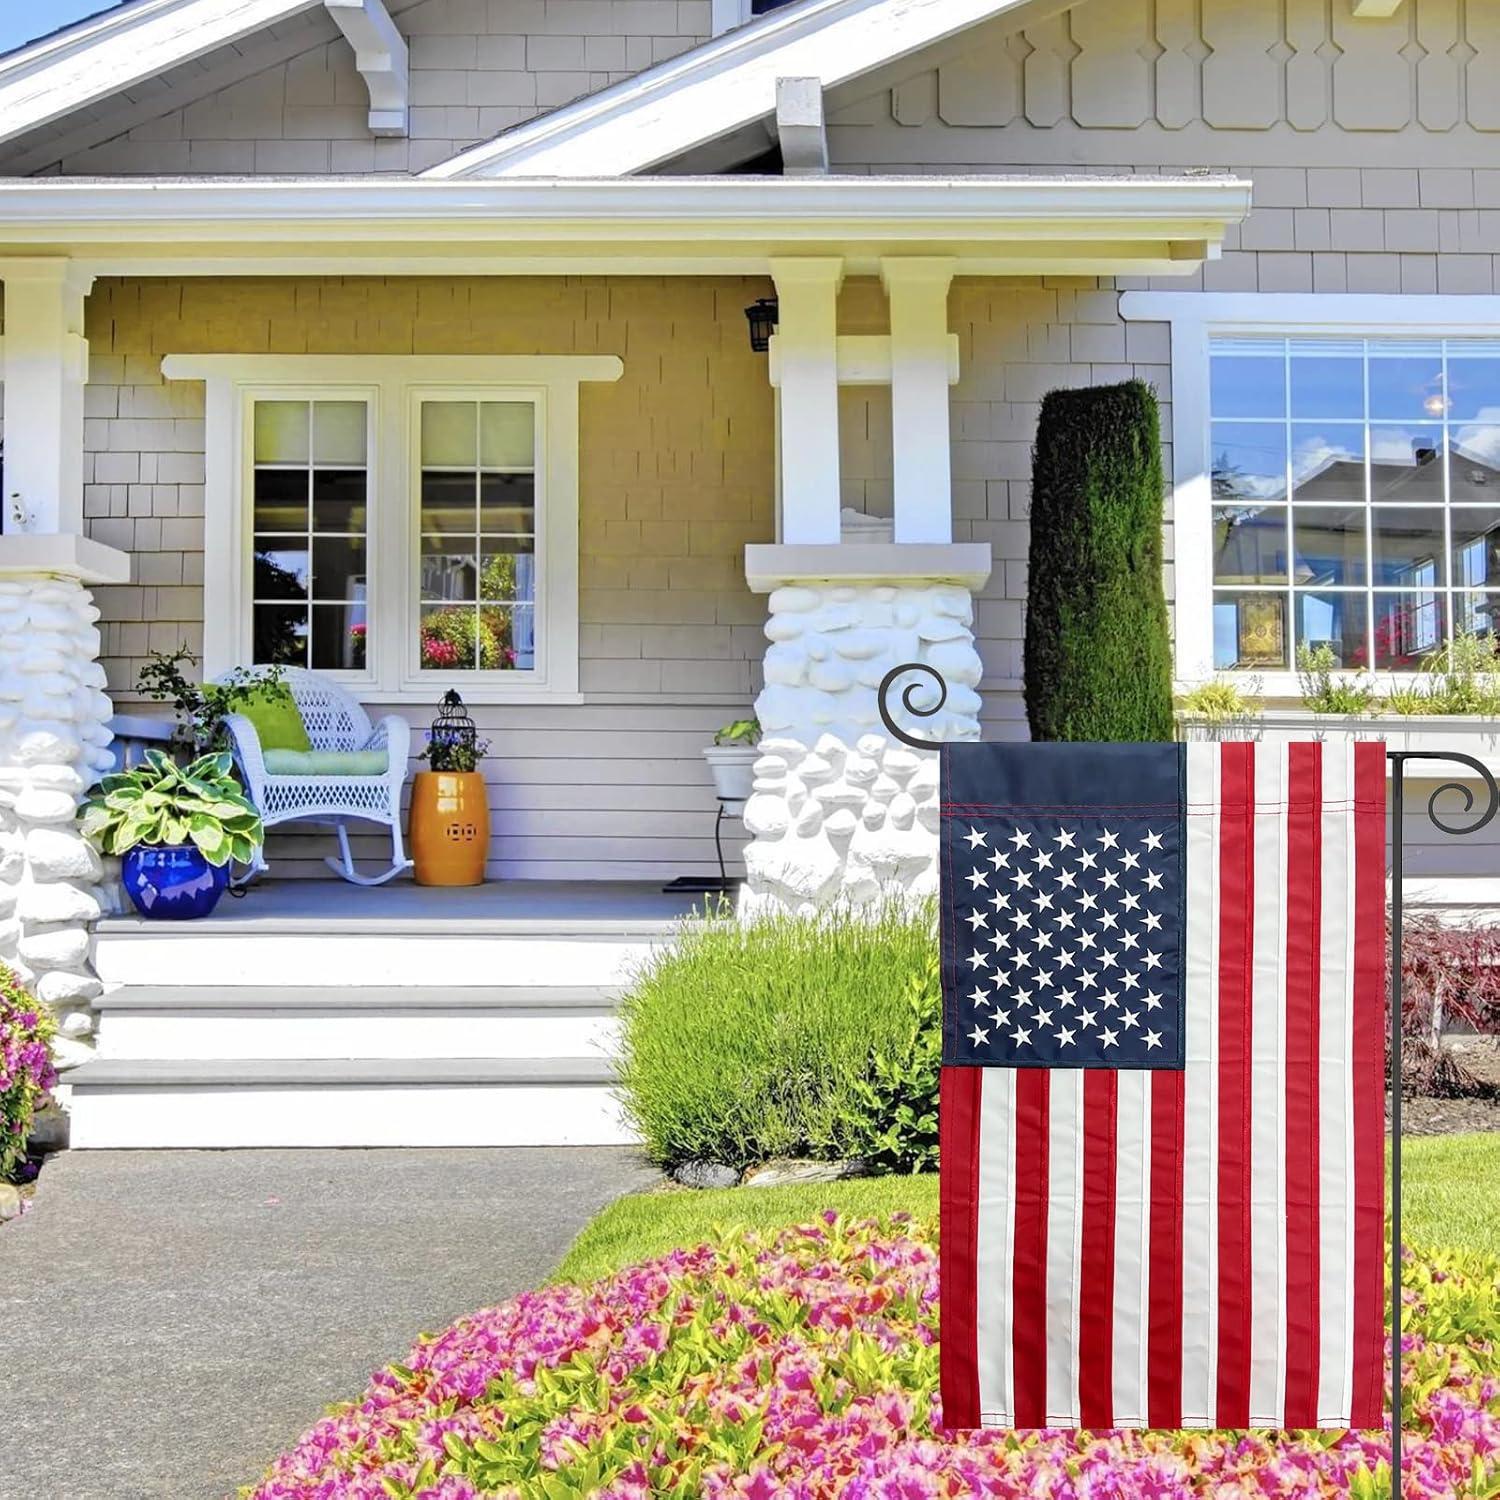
1469,734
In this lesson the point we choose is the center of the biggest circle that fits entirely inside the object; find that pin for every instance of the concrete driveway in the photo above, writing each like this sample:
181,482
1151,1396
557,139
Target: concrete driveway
173,1319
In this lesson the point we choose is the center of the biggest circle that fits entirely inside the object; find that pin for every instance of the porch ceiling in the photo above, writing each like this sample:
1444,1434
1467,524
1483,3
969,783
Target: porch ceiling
990,225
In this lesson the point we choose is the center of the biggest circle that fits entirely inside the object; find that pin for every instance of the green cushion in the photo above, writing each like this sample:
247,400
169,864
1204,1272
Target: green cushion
277,722
327,762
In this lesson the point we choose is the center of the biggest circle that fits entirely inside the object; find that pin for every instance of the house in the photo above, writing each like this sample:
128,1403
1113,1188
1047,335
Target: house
313,311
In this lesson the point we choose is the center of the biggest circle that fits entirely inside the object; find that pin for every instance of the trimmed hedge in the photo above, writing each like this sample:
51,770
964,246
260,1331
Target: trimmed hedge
1098,646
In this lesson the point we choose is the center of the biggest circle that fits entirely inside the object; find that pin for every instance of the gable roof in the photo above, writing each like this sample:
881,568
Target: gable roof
107,53
717,88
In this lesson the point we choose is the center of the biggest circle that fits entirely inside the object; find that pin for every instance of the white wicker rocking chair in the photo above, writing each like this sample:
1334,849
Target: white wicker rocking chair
334,721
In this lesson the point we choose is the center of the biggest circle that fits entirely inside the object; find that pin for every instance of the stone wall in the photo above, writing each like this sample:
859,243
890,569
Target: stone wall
840,810
52,743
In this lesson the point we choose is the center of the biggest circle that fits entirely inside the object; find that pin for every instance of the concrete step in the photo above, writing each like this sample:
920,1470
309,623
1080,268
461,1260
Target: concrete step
324,952
239,1023
453,1101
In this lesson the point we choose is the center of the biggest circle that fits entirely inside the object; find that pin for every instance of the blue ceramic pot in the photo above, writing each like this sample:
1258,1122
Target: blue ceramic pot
173,883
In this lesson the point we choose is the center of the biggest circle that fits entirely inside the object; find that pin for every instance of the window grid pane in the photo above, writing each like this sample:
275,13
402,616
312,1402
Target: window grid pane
477,536
309,584
1378,462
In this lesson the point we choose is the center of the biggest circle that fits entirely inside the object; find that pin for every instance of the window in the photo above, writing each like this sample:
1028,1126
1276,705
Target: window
477,519
1354,486
408,522
310,520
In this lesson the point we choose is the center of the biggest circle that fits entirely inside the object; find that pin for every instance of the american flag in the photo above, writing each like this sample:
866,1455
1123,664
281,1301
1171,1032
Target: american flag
1162,1093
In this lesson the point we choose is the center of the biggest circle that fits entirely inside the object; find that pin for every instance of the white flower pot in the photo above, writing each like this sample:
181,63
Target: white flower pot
733,768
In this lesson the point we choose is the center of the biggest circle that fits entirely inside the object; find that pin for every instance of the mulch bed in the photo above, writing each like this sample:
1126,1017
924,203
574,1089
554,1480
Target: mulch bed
1423,1115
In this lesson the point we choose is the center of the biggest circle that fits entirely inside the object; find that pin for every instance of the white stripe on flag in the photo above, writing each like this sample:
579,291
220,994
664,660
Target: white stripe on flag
995,1240
1200,1260
1268,1094
1064,1241
1335,1091
1132,1240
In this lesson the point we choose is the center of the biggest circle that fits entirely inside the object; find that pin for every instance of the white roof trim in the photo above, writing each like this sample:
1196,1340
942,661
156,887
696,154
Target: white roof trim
651,225
721,86
100,57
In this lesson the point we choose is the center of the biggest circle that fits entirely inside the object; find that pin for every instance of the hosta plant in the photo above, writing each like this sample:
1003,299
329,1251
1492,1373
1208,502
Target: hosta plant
26,1074
159,804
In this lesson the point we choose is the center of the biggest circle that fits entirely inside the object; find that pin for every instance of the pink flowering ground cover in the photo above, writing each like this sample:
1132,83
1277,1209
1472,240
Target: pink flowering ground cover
803,1364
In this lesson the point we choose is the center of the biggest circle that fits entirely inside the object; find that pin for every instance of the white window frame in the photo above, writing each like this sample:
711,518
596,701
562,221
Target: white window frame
242,585
413,675
392,384
1197,317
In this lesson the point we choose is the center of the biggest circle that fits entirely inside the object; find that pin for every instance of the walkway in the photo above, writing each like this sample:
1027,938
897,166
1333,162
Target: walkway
174,1319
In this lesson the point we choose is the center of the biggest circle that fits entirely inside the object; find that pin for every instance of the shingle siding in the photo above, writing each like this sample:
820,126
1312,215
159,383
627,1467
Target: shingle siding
476,69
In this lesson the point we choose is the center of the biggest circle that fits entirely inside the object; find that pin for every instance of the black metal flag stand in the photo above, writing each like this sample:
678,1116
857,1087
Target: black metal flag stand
1398,761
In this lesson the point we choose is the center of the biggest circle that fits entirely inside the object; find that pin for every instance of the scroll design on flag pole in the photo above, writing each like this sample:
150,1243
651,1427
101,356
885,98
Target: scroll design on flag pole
908,693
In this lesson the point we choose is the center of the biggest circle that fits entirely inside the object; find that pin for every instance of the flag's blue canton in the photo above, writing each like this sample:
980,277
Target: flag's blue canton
1063,933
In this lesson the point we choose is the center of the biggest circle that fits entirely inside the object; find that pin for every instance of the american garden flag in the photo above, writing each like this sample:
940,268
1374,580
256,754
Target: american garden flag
1162,1091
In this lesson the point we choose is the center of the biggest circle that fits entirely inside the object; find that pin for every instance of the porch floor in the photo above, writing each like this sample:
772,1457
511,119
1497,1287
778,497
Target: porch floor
596,906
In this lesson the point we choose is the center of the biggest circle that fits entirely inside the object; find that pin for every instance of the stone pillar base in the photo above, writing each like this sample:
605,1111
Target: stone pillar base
840,811
53,744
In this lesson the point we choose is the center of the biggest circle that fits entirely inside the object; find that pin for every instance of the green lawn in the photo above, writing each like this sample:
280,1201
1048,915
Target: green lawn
1450,1189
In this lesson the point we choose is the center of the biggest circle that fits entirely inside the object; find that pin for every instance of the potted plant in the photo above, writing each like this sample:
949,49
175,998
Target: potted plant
731,758
1219,709
450,812
200,708
176,829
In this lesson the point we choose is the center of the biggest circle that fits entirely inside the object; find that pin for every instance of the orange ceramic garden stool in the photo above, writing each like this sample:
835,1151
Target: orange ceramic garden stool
450,809
450,827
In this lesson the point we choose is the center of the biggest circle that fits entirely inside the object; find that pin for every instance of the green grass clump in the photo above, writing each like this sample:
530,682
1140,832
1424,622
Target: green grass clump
746,1042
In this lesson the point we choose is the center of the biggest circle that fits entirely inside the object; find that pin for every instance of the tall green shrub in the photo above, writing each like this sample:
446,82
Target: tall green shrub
787,1037
1098,648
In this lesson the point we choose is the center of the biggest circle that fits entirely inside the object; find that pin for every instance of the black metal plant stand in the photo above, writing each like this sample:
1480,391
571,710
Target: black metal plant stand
708,885
1398,761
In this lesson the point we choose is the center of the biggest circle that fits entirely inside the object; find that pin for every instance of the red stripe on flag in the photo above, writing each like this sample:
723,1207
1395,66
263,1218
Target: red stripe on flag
1029,1345
1096,1262
958,1179
1164,1313
1304,904
1236,964
1369,1084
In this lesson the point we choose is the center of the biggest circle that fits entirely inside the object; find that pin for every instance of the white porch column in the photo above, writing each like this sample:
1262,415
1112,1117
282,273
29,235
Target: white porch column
54,714
917,289
46,368
840,811
804,350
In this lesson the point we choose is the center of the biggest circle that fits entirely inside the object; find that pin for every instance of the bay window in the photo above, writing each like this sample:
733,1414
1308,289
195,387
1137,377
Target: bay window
1355,487
1336,478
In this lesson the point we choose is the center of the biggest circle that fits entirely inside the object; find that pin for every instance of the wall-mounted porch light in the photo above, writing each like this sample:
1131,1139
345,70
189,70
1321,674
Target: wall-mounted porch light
763,315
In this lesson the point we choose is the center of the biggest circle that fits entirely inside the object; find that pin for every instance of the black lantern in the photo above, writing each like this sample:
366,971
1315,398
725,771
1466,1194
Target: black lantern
453,739
763,315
